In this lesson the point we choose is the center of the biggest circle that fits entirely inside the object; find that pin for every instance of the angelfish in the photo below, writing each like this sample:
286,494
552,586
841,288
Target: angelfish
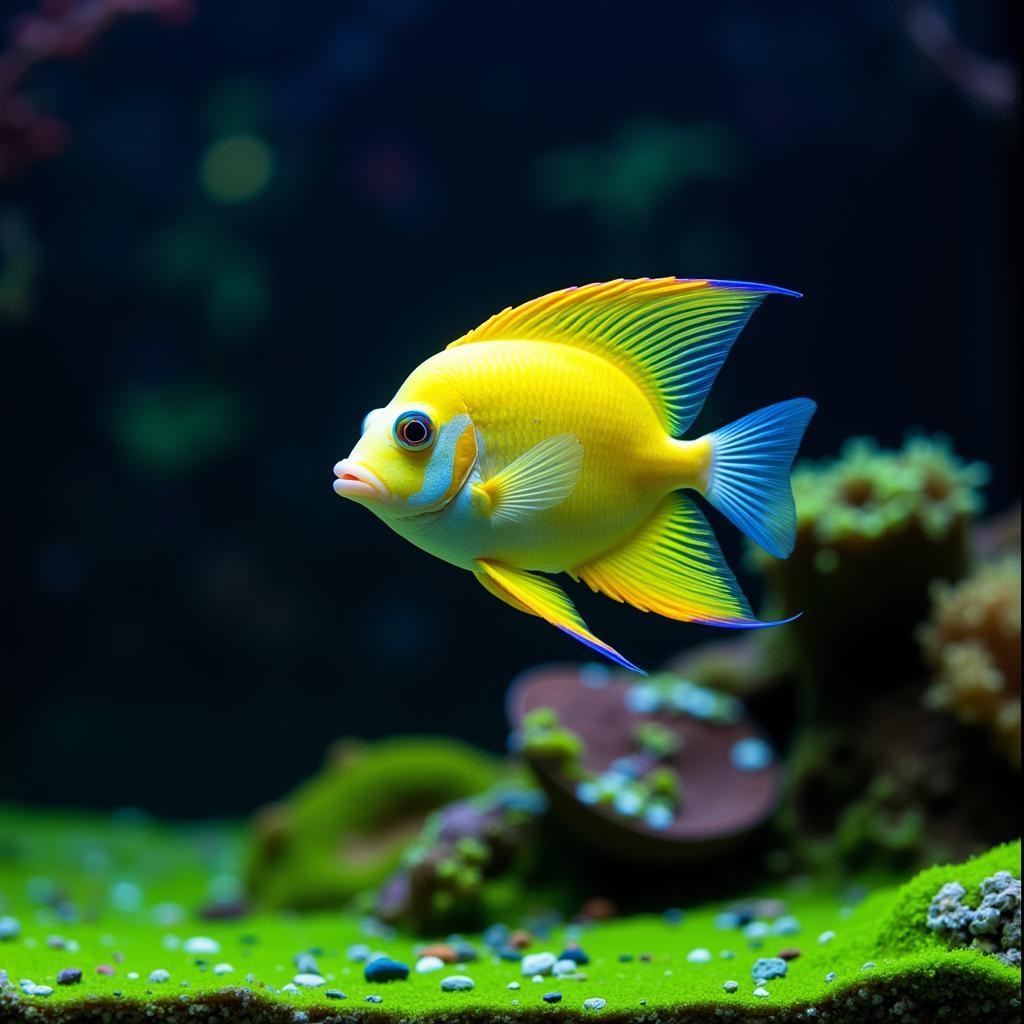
549,440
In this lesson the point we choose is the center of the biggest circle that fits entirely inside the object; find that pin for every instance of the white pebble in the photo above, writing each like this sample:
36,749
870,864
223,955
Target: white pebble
308,980
201,944
699,956
426,964
159,975
564,967
597,1003
456,983
538,963
761,993
826,937
133,975
289,987
222,968
514,985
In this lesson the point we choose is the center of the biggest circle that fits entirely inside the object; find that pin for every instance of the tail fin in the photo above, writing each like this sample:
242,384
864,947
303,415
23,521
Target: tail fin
749,476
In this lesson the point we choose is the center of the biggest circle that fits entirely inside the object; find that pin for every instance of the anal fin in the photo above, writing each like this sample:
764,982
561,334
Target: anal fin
673,566
539,596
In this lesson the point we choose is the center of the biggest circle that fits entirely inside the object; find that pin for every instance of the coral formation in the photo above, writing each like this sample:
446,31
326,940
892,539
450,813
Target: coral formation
993,926
972,643
875,528
442,879
345,830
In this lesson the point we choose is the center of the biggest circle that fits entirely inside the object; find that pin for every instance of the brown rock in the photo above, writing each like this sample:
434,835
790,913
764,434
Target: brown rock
442,951
520,939
788,954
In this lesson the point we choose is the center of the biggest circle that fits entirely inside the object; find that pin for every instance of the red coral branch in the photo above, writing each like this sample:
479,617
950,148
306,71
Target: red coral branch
57,30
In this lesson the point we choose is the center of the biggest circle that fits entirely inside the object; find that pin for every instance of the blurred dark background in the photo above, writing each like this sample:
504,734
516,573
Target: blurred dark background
264,215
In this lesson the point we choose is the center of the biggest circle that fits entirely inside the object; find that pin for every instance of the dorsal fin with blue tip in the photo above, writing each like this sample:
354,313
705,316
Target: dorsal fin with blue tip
669,335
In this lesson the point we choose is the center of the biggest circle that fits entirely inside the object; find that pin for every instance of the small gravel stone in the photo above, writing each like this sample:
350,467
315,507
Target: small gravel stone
359,953
563,968
727,954
786,925
464,952
104,969
625,958
789,953
159,975
426,964
385,969
538,963
750,754
290,987
201,944
70,976
826,937
575,954
56,941
514,986
699,956
443,951
456,983
768,967
10,928
869,966
375,999
305,963
38,990
510,953
761,993
309,980
222,968
552,997
673,915
595,1003
755,930
731,986
830,977
520,939
334,993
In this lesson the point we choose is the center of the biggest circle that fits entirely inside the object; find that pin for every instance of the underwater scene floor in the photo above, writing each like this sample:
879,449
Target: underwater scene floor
99,922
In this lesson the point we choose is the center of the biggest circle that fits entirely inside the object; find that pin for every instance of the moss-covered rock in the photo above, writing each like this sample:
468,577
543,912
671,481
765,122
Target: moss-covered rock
345,830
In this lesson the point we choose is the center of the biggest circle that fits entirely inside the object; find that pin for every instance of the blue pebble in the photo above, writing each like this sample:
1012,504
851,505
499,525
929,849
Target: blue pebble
375,999
751,754
769,967
786,925
385,969
575,954
509,953
496,935
727,921
673,915
552,997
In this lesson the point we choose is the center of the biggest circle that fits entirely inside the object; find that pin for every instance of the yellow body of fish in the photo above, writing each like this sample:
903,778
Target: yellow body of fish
544,442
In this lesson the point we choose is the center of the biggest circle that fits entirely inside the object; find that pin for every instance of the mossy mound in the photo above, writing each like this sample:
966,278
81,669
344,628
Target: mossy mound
885,964
344,831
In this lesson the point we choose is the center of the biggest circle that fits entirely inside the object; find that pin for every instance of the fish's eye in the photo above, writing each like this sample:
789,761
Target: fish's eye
414,430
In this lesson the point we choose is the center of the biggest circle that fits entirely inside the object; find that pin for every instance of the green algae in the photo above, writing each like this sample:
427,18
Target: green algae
45,857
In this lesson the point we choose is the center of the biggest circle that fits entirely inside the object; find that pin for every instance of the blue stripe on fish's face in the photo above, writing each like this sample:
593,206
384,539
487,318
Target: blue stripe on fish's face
451,460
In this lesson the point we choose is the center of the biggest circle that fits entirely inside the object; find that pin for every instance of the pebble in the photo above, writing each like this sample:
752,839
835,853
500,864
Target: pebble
56,941
32,989
552,997
830,977
104,969
727,954
70,976
727,920
538,963
509,953
595,1003
520,939
441,950
496,935
761,993
755,930
359,953
869,966
790,953
625,958
751,754
673,915
426,964
385,969
309,980
290,987
699,956
575,954
201,944
375,999
335,993
731,986
563,968
826,937
786,925
305,963
514,986
132,975
465,953
10,928
768,967
222,968
159,975
456,983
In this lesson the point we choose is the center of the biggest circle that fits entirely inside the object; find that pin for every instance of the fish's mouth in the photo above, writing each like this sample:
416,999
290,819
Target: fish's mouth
356,481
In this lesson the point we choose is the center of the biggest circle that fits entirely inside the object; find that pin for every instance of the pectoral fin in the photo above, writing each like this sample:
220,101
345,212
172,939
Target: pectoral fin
540,478
537,595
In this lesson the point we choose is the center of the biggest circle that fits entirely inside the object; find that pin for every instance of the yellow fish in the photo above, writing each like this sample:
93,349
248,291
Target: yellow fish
548,440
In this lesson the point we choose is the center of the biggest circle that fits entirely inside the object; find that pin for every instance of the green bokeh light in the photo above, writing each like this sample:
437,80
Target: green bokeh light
236,168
